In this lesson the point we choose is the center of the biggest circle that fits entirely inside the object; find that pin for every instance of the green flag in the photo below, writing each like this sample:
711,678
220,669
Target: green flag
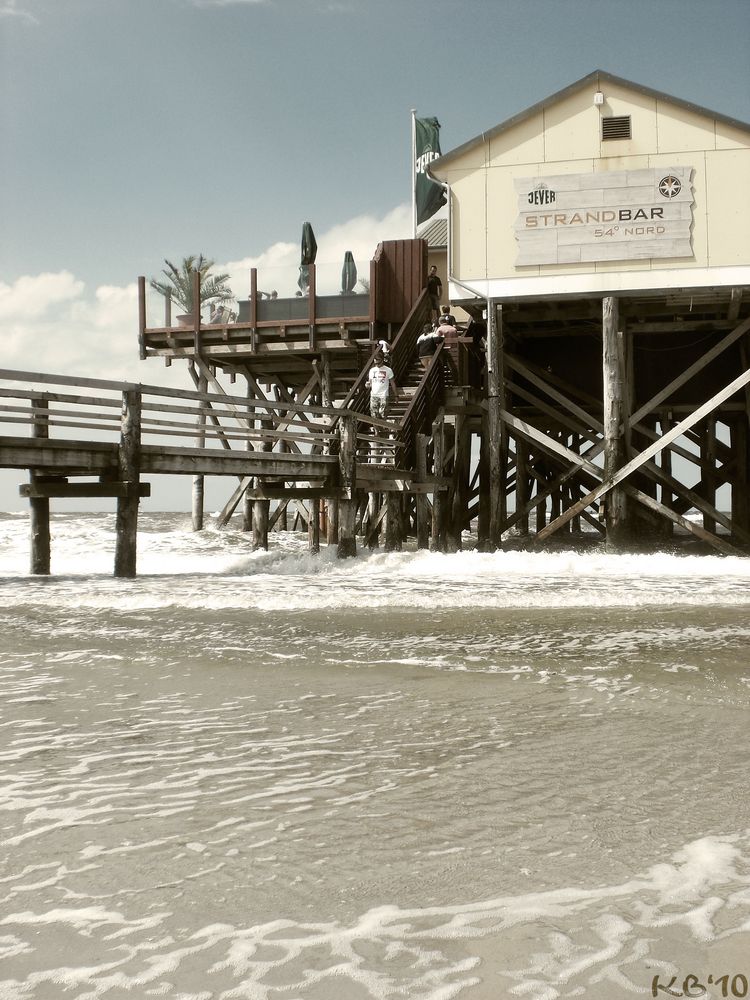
428,196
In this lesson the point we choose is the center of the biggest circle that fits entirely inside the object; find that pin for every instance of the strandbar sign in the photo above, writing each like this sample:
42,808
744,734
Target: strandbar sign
623,215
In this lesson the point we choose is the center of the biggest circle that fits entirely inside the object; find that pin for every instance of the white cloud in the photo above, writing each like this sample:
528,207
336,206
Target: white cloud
10,8
52,323
278,266
31,297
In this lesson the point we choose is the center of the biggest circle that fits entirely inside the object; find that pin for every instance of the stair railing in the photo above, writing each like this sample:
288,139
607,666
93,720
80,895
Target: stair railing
422,410
428,396
404,347
403,350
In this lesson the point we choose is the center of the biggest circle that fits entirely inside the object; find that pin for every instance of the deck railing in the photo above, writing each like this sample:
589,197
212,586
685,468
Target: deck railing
255,316
168,415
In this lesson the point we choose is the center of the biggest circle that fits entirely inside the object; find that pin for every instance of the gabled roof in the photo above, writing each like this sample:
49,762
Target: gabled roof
593,79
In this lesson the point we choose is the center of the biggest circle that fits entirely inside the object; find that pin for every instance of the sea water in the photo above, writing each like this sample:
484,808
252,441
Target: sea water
410,775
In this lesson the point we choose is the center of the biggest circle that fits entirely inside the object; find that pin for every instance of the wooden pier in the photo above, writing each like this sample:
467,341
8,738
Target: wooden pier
624,412
80,444
618,414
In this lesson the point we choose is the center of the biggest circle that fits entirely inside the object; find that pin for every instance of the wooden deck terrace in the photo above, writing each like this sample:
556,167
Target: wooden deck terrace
276,342
106,436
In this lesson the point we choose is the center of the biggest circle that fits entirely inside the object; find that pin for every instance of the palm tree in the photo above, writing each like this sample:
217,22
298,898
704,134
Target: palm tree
179,283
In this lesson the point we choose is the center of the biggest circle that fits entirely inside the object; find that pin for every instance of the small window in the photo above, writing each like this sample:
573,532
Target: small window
616,127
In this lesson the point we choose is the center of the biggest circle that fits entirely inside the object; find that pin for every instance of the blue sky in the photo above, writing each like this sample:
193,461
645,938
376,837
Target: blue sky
134,130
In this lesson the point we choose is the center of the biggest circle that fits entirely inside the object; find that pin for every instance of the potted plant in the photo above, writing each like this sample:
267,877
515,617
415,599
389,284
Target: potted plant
179,285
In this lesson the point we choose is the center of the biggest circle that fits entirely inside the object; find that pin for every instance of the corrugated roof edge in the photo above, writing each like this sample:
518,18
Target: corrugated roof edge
435,232
597,77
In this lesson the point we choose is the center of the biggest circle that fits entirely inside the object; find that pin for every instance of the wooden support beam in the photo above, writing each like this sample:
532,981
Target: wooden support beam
740,440
313,526
422,508
708,456
253,392
522,483
735,300
129,454
279,515
197,334
392,523
437,540
266,492
253,309
39,506
201,384
621,474
261,508
483,470
260,525
615,409
563,400
142,318
347,428
497,445
375,516
689,372
62,489
460,482
325,378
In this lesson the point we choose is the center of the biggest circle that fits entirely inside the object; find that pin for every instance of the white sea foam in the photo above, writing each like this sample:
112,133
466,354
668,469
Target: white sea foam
213,569
432,952
321,802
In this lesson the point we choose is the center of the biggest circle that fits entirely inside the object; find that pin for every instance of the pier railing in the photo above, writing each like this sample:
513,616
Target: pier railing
74,425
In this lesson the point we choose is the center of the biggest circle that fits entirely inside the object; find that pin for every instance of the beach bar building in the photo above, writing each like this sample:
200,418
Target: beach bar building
606,233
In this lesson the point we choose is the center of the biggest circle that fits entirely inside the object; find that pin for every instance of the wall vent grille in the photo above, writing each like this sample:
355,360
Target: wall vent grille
617,127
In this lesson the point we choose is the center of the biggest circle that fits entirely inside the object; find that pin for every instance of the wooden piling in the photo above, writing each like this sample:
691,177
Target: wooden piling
328,399
262,508
523,492
247,500
708,459
614,417
740,445
422,508
198,481
392,522
129,458
260,525
483,518
347,546
373,520
39,506
460,482
496,444
437,539
313,527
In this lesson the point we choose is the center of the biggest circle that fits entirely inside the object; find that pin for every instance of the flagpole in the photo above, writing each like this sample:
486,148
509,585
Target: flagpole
413,159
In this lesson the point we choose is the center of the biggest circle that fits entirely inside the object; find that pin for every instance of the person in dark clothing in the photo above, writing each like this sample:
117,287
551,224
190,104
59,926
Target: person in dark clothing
446,316
427,343
435,291
477,330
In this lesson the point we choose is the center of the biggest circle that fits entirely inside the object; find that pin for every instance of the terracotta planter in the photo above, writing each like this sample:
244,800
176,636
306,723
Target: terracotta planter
185,319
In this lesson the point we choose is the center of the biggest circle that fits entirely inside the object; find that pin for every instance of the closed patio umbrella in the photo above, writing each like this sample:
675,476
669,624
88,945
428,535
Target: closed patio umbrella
308,250
348,274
